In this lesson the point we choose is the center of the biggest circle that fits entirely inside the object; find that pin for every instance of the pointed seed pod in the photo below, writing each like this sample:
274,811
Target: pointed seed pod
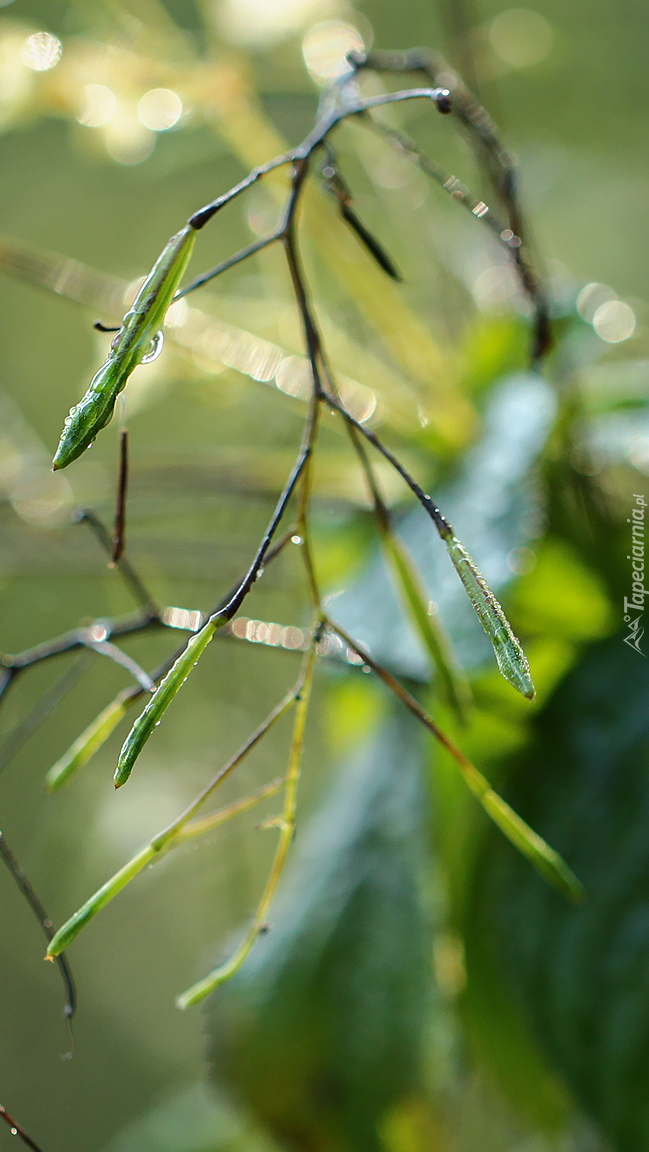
511,659
130,347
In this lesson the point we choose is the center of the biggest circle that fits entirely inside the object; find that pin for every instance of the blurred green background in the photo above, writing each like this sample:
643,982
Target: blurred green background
420,988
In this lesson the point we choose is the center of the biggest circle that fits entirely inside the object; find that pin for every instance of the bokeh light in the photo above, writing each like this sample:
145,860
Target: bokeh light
521,37
325,48
592,297
614,321
160,109
98,107
263,23
41,51
128,141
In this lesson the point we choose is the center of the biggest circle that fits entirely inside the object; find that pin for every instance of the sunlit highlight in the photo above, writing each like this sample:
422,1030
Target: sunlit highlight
263,22
160,109
521,37
614,321
128,142
591,297
325,48
189,619
292,638
41,51
99,106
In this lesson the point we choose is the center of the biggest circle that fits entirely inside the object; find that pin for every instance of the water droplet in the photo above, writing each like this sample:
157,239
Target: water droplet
296,539
157,345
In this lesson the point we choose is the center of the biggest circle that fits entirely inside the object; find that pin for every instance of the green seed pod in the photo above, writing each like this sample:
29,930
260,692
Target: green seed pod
138,340
158,703
103,896
511,659
85,746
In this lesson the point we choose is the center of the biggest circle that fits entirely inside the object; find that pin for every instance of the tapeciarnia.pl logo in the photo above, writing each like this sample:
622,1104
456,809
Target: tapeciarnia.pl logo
635,604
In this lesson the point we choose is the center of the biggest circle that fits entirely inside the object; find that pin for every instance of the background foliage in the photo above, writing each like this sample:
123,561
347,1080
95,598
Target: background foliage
420,988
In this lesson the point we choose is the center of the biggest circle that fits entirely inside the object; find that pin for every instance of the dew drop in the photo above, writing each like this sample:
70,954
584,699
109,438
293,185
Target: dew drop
157,344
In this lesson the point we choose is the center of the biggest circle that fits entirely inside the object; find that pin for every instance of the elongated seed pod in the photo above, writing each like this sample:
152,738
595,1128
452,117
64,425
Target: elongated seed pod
438,645
102,896
511,659
544,858
129,347
178,832
85,746
158,703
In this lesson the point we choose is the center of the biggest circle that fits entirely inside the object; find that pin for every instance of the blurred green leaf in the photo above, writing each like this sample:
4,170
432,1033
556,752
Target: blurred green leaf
192,1120
321,1032
562,596
579,975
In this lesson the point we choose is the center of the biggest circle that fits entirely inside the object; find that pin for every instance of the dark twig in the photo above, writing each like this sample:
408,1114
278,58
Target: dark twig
16,1130
99,327
79,638
224,265
493,157
126,569
43,919
231,604
105,648
14,741
439,520
119,539
335,184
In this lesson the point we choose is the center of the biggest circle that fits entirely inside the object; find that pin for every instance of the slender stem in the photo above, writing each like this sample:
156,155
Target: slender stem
200,218
243,254
439,520
122,489
37,908
14,741
209,823
494,159
105,648
226,610
286,825
16,1130
124,566
284,706
165,840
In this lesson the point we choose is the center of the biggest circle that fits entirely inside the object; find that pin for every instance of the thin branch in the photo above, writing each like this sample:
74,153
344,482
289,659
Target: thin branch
37,908
133,581
226,610
286,824
43,708
439,520
337,186
493,156
166,839
119,530
545,859
105,648
16,1130
243,254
